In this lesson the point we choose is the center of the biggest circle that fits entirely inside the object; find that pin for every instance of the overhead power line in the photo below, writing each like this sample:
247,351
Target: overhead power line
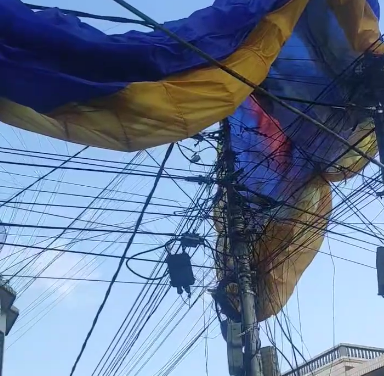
91,280
121,262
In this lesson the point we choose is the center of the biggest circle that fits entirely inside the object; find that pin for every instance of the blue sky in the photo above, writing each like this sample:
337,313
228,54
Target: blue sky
335,301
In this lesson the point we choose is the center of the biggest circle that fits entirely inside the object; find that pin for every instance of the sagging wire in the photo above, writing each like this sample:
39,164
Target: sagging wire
125,349
139,220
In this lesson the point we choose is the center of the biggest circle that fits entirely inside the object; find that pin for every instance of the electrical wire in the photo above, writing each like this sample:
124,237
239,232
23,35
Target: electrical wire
168,153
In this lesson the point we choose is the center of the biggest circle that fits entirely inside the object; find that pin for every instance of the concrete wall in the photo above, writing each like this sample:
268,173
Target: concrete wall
338,367
352,367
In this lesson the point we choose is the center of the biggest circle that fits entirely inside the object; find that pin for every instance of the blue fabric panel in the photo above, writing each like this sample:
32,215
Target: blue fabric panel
48,59
375,6
312,66
271,165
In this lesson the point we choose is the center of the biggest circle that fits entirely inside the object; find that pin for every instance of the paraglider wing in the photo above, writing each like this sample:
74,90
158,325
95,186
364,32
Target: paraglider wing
292,229
285,164
71,61
64,79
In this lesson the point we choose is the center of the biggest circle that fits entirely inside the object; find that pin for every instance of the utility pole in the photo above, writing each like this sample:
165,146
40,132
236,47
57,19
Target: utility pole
241,255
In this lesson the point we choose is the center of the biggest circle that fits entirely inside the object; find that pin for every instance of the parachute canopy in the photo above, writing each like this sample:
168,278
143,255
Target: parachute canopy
288,200
286,164
71,61
62,78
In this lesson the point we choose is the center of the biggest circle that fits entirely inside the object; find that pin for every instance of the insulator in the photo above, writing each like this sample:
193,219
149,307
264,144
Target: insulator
180,272
380,270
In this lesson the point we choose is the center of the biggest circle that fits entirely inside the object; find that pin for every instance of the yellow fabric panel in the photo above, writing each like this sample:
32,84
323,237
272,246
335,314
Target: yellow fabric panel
148,114
352,163
285,251
359,24
298,244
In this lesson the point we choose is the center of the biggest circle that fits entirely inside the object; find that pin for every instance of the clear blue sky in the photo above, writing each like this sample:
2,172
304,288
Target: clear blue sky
336,300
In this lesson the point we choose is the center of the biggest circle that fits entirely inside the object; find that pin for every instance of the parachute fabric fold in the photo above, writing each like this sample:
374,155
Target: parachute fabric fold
358,18
283,252
147,114
316,65
352,163
272,167
276,166
134,98
143,114
71,61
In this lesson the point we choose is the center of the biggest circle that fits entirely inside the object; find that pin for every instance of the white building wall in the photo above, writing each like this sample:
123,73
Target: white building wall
350,367
338,367
374,365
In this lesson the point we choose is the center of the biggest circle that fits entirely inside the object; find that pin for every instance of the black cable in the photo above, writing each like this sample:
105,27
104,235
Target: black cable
138,274
107,255
149,346
86,229
132,344
131,310
88,280
340,205
61,253
62,167
83,186
92,16
153,260
174,214
54,168
80,160
168,153
125,348
184,352
101,198
125,323
23,315
346,151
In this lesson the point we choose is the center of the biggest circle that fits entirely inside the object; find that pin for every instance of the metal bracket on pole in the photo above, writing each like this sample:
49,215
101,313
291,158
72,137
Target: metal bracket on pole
235,348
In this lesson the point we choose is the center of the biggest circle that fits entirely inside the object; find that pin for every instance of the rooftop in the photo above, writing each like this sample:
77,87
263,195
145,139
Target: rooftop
356,361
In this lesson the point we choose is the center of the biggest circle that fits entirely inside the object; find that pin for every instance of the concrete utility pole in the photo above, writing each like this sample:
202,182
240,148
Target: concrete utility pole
8,316
241,254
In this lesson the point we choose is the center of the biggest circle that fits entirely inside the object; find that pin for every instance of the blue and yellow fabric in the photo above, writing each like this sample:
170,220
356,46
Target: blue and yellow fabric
64,79
284,251
273,167
277,150
289,161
